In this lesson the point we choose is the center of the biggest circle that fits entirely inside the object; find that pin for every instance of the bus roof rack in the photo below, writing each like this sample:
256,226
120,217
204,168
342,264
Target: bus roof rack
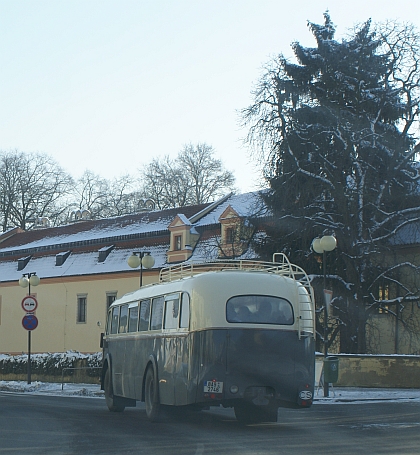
280,266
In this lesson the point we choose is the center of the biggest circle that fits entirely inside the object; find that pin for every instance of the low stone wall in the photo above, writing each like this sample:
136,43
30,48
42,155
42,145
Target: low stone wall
397,371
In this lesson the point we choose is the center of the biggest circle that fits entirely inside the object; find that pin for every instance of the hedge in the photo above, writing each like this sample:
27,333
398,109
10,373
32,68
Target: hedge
50,364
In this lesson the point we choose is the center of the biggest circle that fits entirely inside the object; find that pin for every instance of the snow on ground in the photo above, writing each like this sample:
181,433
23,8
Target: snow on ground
359,394
52,388
337,395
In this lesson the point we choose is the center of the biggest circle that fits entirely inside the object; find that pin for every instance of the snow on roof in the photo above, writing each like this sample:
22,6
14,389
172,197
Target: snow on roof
407,235
247,204
106,230
79,240
84,263
184,219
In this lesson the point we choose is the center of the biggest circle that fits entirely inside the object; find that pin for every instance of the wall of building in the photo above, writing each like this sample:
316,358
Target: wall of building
58,329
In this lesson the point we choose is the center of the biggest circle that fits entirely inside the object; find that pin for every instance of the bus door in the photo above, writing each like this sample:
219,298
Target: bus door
131,352
116,346
182,373
173,374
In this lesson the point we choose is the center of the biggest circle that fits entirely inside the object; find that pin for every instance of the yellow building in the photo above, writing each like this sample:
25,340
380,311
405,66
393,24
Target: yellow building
83,267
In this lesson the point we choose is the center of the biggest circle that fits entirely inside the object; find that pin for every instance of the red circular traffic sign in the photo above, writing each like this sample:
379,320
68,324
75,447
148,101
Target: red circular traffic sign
29,304
30,322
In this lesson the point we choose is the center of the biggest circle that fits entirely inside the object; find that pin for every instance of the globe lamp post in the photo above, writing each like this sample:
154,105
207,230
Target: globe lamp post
26,281
322,246
142,259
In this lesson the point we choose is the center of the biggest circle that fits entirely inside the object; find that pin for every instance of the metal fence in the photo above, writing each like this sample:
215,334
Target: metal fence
77,368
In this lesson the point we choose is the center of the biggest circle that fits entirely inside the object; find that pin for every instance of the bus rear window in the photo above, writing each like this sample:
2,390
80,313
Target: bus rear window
259,309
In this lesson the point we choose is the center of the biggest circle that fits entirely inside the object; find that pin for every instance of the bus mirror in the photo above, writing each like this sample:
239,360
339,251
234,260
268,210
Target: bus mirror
101,343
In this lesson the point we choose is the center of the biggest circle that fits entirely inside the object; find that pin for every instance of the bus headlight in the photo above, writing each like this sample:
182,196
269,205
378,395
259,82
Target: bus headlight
234,389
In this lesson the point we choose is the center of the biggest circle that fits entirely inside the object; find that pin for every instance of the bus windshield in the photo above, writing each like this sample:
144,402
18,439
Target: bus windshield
259,309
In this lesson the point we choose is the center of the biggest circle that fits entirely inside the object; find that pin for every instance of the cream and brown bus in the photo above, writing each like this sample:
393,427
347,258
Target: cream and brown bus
235,334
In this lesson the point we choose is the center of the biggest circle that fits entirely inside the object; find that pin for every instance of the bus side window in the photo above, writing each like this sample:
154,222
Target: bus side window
123,319
171,311
157,313
115,317
133,316
185,311
144,315
108,322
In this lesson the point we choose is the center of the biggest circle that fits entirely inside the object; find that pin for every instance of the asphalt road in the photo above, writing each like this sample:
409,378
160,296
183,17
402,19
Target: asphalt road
31,424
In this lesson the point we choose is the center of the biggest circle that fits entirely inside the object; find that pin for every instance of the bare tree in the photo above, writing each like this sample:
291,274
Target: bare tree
90,193
32,186
204,174
193,177
105,198
121,198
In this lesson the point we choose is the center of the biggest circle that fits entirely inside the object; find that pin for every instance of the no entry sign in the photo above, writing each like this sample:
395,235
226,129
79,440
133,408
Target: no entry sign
29,304
30,322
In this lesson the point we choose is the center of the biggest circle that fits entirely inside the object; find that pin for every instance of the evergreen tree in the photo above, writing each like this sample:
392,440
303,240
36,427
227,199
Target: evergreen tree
335,132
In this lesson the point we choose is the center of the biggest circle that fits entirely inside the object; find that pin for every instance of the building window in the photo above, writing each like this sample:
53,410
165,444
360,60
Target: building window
110,299
81,308
230,235
383,294
178,242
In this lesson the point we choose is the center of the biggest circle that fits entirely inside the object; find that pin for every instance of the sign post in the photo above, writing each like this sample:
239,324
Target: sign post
29,322
29,305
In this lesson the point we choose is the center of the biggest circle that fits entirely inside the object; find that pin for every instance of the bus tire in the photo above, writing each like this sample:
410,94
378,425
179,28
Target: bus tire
151,397
110,400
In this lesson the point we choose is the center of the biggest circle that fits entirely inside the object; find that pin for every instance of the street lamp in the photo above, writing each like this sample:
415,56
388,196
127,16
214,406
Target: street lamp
321,246
142,259
26,281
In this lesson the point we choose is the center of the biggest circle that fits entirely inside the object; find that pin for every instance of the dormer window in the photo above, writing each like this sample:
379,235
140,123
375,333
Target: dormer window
183,238
230,235
178,243
234,234
104,252
23,262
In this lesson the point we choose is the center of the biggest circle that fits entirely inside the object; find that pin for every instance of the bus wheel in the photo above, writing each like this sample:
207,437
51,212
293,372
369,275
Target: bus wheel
151,396
109,394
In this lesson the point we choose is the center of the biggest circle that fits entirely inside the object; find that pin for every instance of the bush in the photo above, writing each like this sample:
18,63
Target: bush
50,364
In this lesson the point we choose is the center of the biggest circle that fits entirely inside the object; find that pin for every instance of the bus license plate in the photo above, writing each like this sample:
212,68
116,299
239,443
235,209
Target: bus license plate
213,387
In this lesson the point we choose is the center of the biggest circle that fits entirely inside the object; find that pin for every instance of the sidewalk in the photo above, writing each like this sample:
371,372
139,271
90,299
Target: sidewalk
358,394
336,394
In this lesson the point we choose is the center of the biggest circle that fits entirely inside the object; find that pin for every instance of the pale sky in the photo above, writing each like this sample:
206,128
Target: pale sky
107,85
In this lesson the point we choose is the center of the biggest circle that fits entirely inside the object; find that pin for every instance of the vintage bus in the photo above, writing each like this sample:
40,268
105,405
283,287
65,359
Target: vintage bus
234,334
